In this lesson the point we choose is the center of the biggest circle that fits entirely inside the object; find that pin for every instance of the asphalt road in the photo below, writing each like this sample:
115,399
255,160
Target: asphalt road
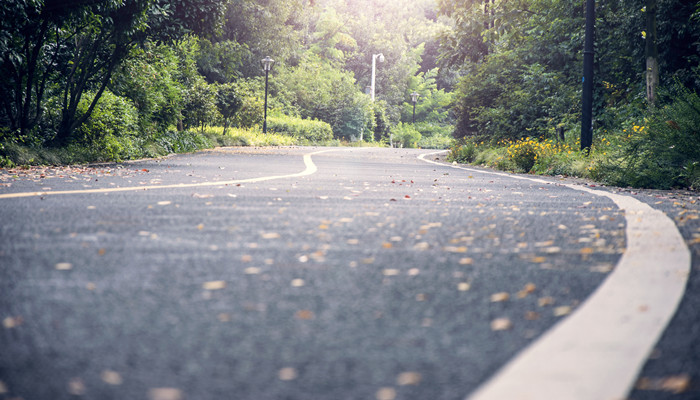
376,276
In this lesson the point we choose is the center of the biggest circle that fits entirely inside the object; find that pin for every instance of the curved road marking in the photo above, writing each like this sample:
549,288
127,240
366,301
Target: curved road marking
309,164
598,351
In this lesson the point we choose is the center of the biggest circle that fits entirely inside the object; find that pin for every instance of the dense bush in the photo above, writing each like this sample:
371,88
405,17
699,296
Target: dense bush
311,131
405,135
318,89
250,113
200,105
664,151
111,130
229,102
149,79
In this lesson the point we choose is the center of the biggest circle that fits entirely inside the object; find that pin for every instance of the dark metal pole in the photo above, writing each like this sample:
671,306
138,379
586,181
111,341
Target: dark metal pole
414,113
587,96
265,112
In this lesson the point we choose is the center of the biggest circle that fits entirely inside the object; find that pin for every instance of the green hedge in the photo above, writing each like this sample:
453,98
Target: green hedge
313,131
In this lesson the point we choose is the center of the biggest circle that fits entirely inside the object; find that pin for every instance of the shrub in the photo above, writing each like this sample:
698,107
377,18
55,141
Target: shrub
228,101
523,154
663,152
113,115
200,105
465,153
110,131
405,135
312,131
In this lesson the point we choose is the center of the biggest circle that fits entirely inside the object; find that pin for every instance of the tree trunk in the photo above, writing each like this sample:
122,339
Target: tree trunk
652,53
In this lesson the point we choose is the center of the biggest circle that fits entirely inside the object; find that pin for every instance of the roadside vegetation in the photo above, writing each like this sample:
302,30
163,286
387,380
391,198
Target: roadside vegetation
518,101
499,83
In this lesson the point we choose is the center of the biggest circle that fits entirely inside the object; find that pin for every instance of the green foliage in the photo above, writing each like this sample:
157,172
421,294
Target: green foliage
523,155
381,121
405,135
221,62
663,152
228,102
463,153
247,137
315,89
110,129
304,130
200,105
149,78
250,113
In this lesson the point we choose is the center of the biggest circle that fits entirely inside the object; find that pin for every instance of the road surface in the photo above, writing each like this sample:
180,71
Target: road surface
308,273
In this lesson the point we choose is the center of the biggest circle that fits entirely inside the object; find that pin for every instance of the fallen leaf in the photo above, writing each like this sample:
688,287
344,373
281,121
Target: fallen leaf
252,271
408,378
224,317
64,266
529,288
501,324
561,311
164,203
391,272
455,249
386,393
464,286
603,268
676,384
545,301
531,315
214,285
111,377
421,246
76,387
270,235
101,252
165,394
466,261
387,245
298,283
287,374
413,272
305,314
501,296
12,322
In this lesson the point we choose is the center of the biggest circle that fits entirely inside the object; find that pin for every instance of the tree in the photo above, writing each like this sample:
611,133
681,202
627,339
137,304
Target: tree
63,49
228,102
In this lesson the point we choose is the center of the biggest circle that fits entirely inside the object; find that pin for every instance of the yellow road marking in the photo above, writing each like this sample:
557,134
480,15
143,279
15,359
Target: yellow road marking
309,170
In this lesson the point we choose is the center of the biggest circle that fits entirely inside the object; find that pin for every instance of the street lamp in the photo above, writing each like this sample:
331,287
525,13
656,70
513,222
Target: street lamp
414,99
374,67
267,64
587,94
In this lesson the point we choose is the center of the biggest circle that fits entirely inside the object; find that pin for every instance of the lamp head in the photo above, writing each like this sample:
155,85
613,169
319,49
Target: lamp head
267,63
414,96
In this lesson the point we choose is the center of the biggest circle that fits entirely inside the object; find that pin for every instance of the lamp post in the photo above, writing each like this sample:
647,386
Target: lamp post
374,67
267,64
587,94
414,99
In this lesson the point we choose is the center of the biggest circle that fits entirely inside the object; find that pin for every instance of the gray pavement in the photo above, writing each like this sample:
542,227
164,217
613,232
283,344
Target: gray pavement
377,277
